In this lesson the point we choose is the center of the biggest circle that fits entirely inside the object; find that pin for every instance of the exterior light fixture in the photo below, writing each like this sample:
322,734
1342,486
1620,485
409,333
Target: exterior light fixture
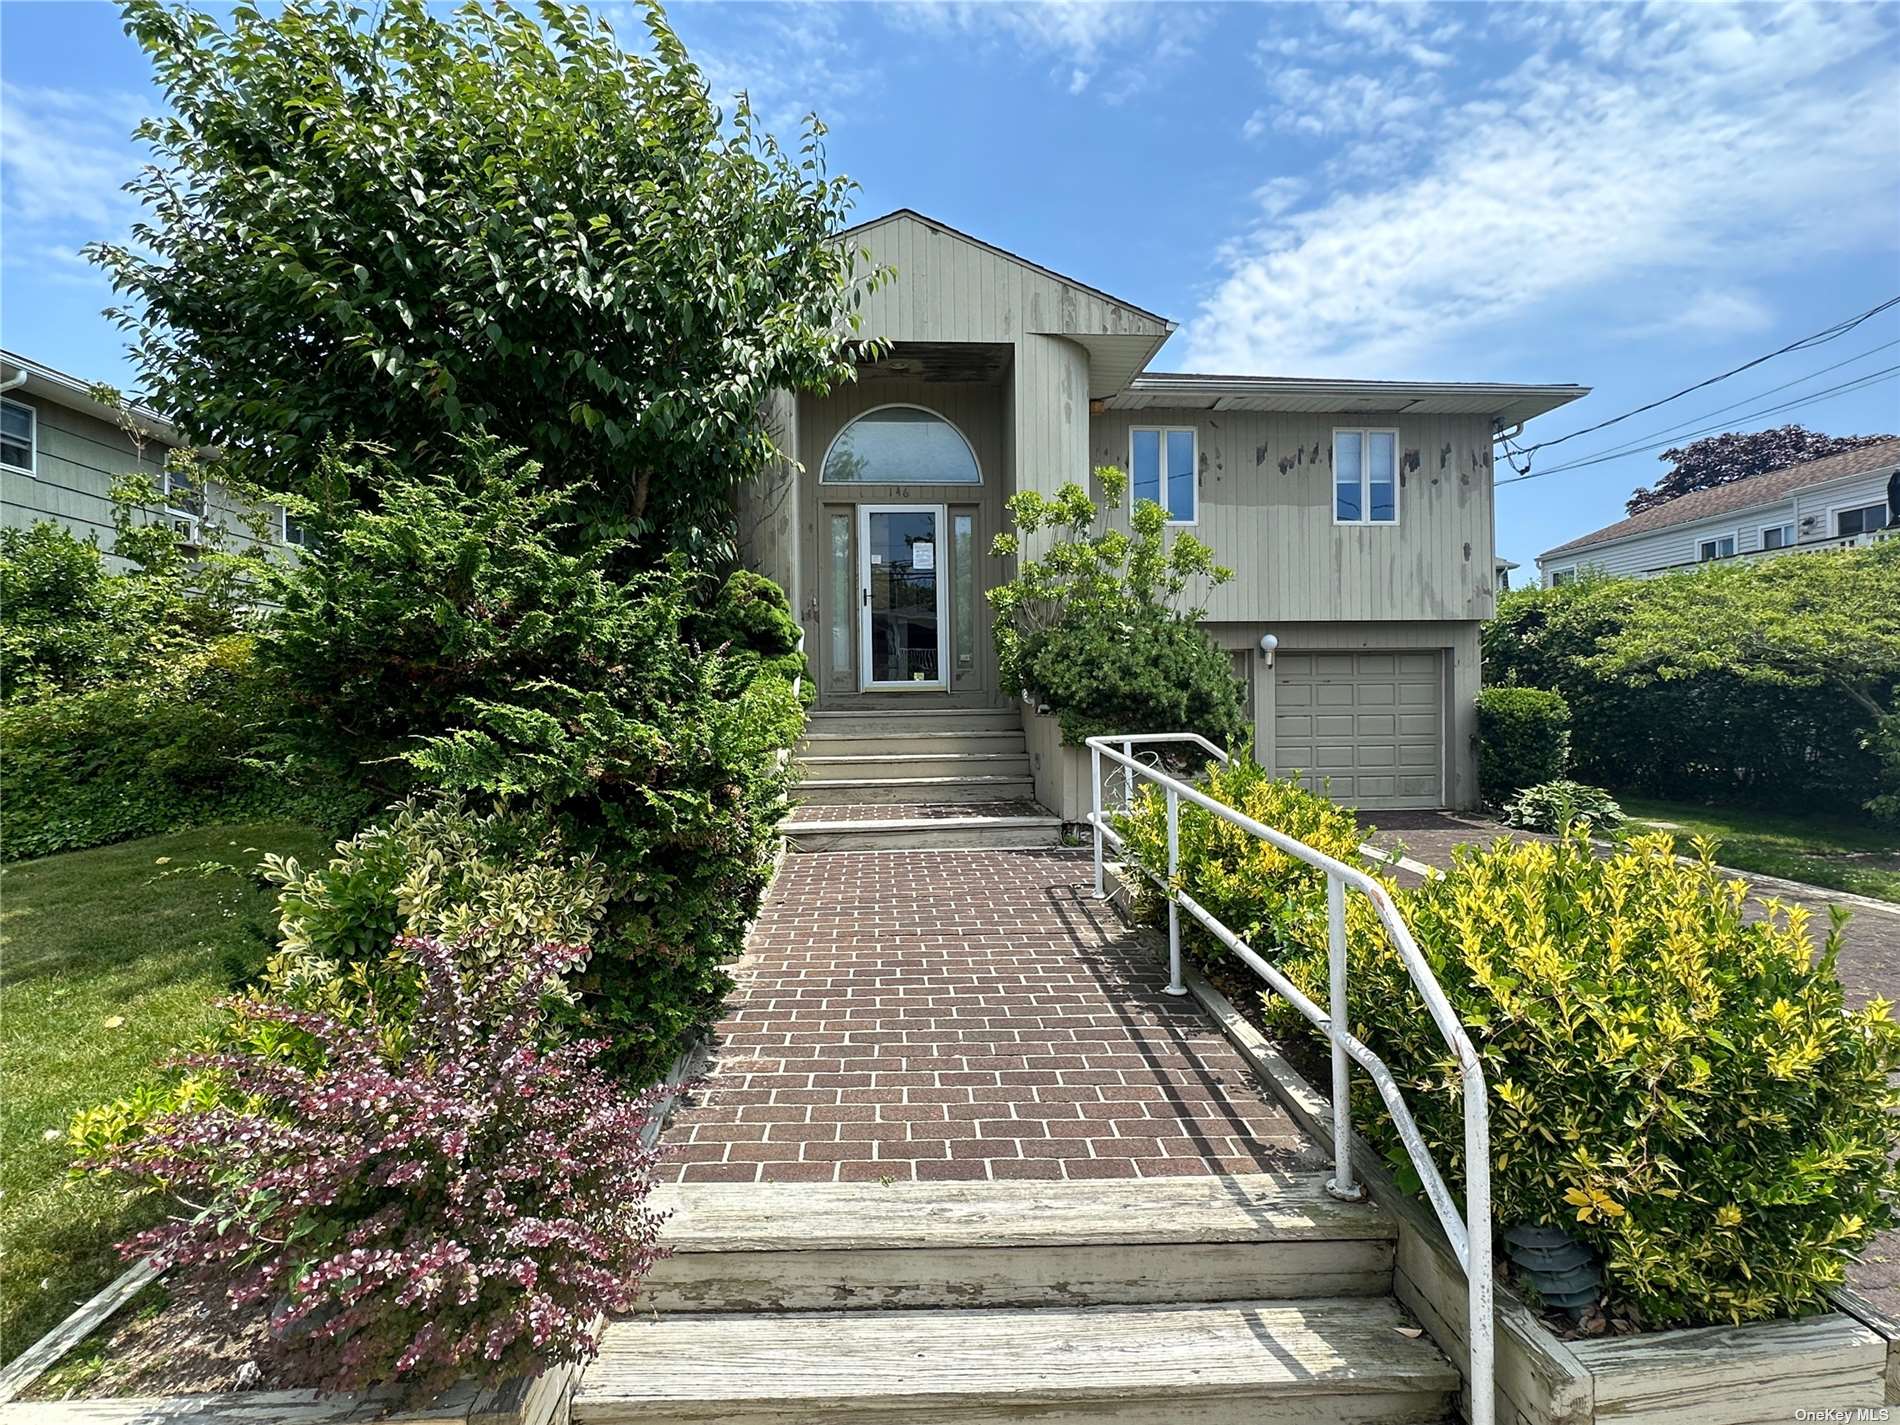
1267,644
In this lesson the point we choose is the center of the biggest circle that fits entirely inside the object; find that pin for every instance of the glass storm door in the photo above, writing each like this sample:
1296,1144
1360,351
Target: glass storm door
901,596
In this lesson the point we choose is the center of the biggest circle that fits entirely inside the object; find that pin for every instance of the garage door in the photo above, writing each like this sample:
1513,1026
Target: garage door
1367,727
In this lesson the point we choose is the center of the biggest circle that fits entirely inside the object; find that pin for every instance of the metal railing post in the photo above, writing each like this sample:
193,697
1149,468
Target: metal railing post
1342,1185
1478,1249
1174,985
1095,817
1128,776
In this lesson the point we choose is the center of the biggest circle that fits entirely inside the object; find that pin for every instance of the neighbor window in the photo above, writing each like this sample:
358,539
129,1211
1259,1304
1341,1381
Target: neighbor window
1721,548
1778,536
900,445
295,530
1365,477
1560,577
183,497
1864,520
1161,464
17,431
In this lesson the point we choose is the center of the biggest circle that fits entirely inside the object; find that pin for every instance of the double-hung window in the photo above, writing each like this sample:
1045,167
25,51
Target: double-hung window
1777,536
1365,477
1721,547
1162,464
18,430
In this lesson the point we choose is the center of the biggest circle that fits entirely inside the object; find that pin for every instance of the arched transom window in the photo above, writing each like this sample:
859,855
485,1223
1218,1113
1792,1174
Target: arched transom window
901,445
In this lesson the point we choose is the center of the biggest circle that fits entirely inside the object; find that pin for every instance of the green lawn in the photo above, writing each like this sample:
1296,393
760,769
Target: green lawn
1836,852
105,968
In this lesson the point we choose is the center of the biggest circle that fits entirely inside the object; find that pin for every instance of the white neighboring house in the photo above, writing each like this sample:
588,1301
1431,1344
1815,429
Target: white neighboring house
61,449
1836,502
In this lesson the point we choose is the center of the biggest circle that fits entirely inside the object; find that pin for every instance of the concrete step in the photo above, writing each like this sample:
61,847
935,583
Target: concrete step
879,723
864,1246
996,826
1321,1360
824,768
890,791
900,744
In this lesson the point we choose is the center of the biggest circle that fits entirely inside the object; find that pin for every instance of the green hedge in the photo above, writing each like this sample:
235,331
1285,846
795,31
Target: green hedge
1675,1079
1523,740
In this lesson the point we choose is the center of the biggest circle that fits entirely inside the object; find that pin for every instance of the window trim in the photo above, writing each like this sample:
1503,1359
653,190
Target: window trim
1733,536
1834,513
32,467
283,531
1365,477
1761,536
982,480
1162,433
1567,571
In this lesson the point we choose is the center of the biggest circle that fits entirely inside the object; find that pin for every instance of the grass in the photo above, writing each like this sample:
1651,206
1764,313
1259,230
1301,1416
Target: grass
1837,852
112,959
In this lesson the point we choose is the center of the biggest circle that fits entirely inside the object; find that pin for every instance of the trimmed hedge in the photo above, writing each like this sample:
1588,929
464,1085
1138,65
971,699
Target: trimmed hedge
1523,740
1676,1080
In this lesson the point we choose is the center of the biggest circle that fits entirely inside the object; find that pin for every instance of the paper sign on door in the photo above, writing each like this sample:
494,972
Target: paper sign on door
923,556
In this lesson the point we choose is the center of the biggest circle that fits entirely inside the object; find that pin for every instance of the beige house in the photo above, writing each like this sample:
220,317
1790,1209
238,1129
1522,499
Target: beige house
1358,515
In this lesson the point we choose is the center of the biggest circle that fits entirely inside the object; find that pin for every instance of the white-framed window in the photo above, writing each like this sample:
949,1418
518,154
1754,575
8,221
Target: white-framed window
1860,519
1777,536
1365,477
295,530
1721,546
1560,577
1164,466
184,499
19,437
900,445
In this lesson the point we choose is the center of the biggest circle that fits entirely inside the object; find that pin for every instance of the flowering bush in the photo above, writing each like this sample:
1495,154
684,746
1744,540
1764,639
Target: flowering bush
446,1196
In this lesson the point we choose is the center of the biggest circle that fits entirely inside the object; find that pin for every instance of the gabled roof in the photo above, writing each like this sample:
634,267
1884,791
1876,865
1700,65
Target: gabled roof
1048,272
1768,488
1503,402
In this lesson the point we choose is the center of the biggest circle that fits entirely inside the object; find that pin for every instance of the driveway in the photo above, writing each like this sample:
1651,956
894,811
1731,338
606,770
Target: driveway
1869,964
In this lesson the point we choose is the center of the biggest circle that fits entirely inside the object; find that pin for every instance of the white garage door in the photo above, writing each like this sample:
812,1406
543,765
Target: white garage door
1366,727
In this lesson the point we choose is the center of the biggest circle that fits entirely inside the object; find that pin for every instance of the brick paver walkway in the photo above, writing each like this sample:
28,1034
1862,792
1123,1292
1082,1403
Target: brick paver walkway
964,1015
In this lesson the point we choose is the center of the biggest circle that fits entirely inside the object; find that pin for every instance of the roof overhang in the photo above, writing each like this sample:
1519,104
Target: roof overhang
1506,404
46,384
1117,358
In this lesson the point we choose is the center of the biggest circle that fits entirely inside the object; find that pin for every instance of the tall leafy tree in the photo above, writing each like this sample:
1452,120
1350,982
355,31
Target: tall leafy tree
1724,459
404,228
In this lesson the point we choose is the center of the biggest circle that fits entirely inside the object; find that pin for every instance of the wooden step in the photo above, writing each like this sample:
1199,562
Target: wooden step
798,1247
878,722
1255,1361
874,791
905,830
902,744
822,768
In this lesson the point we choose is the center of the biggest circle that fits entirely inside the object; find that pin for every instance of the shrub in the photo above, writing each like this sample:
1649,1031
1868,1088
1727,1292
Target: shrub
449,641
1676,1084
1523,739
1555,805
173,749
1095,627
466,1203
1269,899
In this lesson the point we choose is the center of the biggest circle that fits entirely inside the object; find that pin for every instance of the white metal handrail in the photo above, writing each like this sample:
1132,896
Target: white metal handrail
1469,1232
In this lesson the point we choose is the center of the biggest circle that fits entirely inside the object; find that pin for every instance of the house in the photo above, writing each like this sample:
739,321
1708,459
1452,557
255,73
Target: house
1358,515
1836,502
61,448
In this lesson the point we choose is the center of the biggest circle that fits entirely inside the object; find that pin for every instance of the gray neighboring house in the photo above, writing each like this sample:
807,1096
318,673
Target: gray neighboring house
1359,515
60,451
1836,502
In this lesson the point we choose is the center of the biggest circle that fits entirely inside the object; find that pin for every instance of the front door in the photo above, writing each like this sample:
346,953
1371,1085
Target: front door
901,597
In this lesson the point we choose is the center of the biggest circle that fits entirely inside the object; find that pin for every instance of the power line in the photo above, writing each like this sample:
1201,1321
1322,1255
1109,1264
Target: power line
1859,383
1677,431
1826,334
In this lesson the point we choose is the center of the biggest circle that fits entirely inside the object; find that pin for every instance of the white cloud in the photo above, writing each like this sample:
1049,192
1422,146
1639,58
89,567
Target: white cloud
1136,41
65,157
1628,157
1712,313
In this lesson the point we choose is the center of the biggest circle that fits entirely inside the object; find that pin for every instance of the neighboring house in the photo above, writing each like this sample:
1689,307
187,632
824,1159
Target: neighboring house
1358,514
1836,502
1504,568
61,450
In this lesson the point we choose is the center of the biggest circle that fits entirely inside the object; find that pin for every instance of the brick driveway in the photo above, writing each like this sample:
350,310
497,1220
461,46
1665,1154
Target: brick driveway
965,1015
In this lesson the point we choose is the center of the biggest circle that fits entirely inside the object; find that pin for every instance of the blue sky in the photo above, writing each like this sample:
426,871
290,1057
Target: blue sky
1628,197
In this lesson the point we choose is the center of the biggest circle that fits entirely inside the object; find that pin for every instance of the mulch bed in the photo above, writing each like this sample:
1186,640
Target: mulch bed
169,1341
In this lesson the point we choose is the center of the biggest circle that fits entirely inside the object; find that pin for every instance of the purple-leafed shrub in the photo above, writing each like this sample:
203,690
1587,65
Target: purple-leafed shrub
447,1196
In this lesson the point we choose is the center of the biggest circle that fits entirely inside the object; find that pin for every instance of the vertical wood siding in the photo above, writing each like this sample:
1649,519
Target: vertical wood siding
1266,507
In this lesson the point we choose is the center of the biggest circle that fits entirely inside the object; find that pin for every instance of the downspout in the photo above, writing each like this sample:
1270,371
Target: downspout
14,382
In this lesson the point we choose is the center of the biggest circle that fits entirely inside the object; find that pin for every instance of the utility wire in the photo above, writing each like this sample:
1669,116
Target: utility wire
1826,334
1859,383
1673,432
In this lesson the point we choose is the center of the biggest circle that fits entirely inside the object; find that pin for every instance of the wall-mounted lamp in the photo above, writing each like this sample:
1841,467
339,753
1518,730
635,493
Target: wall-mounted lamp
1267,644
